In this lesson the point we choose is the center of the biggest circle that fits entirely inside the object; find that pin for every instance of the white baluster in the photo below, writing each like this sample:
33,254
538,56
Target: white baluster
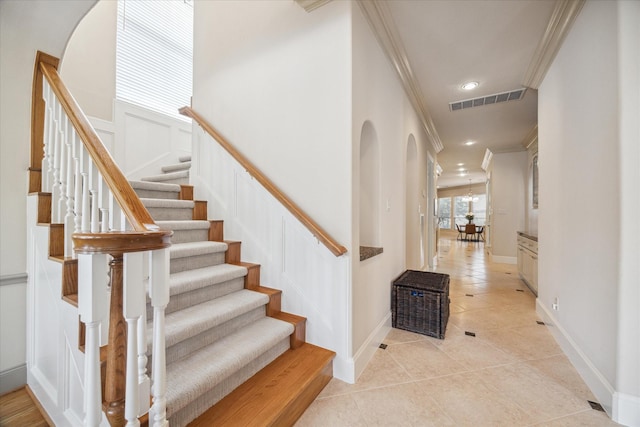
62,201
117,217
159,292
77,198
55,190
47,166
104,220
144,383
95,222
103,203
86,213
69,217
92,307
133,307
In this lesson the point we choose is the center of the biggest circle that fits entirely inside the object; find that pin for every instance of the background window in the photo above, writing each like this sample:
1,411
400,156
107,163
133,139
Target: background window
444,212
154,54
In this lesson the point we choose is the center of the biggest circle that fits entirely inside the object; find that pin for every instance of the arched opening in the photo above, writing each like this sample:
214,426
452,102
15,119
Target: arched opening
414,257
369,187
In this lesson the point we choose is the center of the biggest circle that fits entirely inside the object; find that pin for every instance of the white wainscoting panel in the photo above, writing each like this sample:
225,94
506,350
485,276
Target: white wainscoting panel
142,141
54,361
315,283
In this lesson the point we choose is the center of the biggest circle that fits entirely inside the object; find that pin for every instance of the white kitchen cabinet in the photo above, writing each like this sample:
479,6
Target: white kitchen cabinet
528,260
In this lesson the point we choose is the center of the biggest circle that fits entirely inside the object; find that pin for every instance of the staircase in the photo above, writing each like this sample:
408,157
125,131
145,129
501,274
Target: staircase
222,326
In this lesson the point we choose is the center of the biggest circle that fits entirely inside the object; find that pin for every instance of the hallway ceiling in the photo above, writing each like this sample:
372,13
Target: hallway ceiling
448,43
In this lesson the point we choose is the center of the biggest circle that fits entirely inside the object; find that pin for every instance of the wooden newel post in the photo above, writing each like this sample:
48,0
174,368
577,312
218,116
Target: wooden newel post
131,305
115,381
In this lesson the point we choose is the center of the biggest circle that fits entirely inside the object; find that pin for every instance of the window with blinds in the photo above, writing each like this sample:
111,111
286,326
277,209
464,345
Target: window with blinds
154,54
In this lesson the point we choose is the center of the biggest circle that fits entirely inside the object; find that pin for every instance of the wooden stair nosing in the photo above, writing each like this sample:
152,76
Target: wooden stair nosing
299,335
278,394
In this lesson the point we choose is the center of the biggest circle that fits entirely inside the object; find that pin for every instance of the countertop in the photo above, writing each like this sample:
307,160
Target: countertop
528,236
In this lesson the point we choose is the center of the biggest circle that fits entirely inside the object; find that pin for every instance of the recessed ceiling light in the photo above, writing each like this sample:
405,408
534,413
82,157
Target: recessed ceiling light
469,143
461,169
460,164
470,85
462,174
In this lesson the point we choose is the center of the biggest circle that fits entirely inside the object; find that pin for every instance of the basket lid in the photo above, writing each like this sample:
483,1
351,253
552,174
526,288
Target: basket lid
427,280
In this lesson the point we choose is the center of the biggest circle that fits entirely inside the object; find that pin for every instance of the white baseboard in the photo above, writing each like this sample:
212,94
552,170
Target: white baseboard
11,379
504,259
597,383
626,409
369,347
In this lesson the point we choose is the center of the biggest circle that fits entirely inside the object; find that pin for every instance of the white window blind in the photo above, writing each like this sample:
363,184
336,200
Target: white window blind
154,54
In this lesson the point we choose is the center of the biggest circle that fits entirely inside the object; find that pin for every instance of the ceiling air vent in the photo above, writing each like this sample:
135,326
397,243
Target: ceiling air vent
512,95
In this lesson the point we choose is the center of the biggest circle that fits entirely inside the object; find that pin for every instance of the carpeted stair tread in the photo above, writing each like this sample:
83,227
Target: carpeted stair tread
167,176
182,250
199,372
270,398
176,167
167,203
185,158
155,186
183,225
189,322
190,280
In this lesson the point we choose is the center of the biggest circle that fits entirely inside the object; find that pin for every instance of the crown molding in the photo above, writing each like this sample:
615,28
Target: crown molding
486,162
563,16
310,5
531,138
379,17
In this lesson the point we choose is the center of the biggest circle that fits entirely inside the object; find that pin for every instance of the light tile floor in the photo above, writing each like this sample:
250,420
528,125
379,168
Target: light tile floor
512,373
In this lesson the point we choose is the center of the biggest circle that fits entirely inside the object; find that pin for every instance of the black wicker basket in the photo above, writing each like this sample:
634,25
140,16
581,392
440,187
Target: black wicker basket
420,302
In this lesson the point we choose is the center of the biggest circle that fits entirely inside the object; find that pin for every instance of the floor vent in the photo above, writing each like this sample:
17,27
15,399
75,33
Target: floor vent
512,95
596,406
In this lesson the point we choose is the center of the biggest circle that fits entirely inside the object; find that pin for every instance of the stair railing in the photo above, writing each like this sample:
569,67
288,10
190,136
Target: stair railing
318,232
108,229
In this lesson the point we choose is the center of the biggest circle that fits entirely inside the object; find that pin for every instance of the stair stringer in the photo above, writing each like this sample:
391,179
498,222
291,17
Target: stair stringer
314,282
55,364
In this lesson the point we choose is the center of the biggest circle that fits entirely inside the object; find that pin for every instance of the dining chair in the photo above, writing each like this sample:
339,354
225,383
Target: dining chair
469,229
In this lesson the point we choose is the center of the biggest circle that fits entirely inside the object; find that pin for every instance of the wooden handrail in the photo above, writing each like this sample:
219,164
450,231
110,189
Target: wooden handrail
318,232
145,236
128,200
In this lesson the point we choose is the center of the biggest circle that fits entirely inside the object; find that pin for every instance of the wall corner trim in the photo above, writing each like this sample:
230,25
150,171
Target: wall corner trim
12,279
563,16
626,409
379,17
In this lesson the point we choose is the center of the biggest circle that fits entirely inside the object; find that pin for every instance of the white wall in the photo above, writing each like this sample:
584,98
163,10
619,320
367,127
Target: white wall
588,148
626,401
378,97
89,64
24,28
274,80
509,178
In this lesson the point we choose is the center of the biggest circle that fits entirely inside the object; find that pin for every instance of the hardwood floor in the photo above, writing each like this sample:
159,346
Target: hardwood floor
18,408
